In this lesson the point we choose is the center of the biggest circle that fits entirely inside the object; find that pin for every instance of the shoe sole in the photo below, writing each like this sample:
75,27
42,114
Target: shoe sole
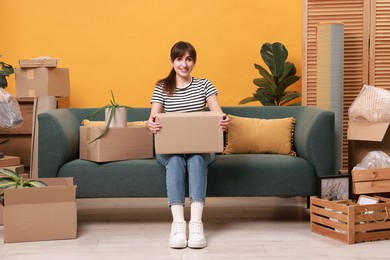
178,245
197,245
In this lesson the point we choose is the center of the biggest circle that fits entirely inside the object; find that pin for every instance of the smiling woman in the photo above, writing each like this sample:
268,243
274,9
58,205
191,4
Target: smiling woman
122,45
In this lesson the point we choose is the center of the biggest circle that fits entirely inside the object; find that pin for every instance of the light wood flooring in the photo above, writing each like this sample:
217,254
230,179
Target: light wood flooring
236,228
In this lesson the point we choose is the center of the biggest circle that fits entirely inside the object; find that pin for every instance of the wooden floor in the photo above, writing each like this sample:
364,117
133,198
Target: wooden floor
236,228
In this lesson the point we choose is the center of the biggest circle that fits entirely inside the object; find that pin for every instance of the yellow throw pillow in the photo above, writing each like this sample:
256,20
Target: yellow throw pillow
254,135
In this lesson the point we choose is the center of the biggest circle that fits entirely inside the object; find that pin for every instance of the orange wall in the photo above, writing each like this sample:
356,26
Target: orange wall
123,45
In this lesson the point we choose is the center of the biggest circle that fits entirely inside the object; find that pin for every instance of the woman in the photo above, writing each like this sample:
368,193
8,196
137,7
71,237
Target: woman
180,92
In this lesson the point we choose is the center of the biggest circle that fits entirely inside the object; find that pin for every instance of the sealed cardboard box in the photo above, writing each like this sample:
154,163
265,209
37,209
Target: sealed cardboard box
197,132
120,143
37,82
41,213
36,63
365,137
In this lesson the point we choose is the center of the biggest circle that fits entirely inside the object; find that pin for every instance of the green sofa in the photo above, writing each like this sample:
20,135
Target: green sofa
229,175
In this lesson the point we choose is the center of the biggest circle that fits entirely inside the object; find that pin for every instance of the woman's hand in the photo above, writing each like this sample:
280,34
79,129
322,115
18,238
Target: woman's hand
224,123
153,126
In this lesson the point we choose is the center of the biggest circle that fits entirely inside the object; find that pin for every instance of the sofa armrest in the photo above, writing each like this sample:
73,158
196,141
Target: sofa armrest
58,140
315,139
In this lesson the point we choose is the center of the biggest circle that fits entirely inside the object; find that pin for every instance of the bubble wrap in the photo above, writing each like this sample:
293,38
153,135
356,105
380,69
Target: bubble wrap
372,104
10,115
374,160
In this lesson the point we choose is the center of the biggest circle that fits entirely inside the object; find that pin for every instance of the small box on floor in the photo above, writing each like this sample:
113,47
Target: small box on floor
41,213
36,82
197,132
132,142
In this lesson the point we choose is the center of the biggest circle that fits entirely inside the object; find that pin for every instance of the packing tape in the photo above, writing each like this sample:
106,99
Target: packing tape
30,73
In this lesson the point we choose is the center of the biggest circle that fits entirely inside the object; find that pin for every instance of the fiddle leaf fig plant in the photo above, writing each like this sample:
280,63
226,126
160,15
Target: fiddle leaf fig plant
11,179
113,106
5,71
272,86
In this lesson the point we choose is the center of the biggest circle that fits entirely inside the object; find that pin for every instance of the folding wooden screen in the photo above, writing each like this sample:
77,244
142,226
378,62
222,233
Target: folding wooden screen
366,48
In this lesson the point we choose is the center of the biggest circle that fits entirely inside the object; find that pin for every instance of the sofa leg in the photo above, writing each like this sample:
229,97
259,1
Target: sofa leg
308,202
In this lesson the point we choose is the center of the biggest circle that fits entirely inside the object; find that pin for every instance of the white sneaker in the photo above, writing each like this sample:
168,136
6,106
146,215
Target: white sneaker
196,236
178,238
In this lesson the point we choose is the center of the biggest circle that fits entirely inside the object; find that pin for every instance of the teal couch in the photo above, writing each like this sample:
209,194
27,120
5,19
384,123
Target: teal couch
229,175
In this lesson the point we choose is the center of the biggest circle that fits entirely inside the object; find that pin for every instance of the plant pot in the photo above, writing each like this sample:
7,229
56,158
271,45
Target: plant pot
119,119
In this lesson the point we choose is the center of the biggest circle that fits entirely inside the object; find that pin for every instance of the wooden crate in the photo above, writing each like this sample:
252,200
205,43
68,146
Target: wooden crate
348,222
371,181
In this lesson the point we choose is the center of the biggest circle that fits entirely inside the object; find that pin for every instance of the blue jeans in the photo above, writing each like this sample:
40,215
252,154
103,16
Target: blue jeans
177,165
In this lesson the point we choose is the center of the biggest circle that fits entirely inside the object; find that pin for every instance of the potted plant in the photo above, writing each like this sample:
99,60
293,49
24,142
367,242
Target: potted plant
5,71
115,116
13,180
272,87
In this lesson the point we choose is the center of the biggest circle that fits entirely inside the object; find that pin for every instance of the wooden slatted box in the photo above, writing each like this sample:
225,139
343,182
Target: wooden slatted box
371,181
348,222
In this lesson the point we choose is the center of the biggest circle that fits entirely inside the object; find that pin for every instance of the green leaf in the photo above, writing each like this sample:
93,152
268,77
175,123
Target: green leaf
263,72
264,97
289,96
7,183
247,100
262,83
286,71
6,69
274,55
35,183
11,174
93,115
3,81
288,81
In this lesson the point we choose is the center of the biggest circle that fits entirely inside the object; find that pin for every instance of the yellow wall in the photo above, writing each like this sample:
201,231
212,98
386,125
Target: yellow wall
124,45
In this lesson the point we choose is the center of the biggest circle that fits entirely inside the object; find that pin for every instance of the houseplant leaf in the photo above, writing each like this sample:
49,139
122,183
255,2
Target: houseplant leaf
10,174
289,96
287,82
247,100
7,183
274,55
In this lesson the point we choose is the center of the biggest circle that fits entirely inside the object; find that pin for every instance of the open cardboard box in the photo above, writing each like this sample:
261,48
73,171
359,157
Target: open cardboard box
197,132
120,143
41,213
35,63
364,137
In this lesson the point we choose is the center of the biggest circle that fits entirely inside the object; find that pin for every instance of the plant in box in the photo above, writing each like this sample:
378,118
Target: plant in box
115,116
5,71
11,179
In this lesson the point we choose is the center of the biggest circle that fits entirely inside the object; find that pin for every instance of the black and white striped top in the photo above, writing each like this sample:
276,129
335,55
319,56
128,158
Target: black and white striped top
189,99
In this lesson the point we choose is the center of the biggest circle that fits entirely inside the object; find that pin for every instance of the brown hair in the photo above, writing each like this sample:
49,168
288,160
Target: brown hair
178,50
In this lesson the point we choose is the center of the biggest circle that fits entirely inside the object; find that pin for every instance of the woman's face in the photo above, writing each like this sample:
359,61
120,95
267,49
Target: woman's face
183,65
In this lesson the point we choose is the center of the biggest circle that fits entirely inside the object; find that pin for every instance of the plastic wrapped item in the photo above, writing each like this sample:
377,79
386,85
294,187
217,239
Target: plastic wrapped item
372,104
374,160
10,115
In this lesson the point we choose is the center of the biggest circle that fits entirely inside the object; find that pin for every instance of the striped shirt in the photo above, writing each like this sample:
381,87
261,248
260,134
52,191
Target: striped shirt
189,99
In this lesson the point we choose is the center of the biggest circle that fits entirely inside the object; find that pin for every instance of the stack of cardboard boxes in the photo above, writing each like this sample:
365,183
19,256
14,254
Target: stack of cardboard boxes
40,213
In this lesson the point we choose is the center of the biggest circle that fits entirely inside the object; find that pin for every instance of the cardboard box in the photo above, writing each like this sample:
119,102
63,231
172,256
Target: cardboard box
36,63
349,222
37,82
131,142
365,137
44,213
9,161
197,132
19,169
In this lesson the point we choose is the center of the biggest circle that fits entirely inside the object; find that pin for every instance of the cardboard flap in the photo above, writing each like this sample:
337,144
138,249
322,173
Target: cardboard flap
38,195
367,131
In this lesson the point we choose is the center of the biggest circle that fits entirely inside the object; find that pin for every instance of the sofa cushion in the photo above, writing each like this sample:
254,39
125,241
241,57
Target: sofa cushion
253,135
